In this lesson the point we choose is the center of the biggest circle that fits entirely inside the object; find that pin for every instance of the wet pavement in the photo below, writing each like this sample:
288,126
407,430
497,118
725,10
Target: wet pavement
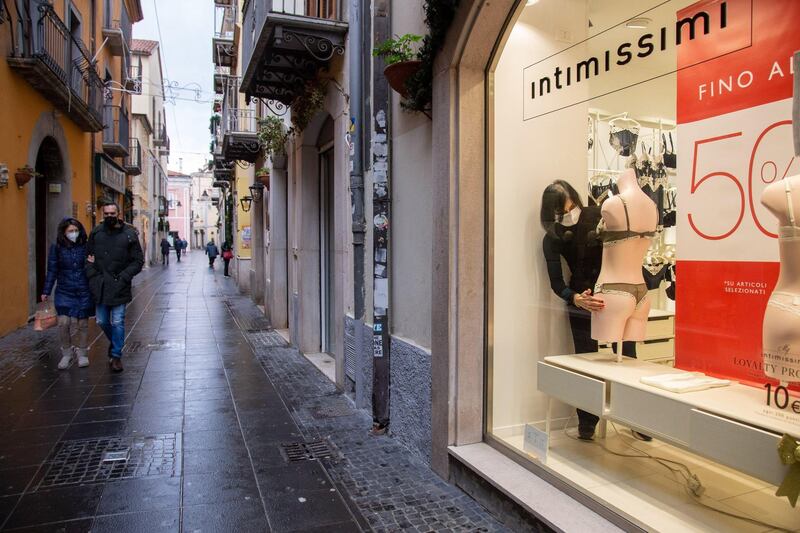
215,425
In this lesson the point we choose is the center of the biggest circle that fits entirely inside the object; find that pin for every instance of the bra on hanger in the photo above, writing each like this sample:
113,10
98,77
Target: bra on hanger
669,210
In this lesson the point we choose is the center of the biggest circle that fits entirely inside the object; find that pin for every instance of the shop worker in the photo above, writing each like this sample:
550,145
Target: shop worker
115,257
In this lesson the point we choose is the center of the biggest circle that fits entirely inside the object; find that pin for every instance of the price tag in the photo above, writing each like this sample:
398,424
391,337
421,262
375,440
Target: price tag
536,442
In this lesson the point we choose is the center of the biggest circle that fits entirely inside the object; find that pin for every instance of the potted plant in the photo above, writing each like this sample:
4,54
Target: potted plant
400,59
262,175
24,175
272,135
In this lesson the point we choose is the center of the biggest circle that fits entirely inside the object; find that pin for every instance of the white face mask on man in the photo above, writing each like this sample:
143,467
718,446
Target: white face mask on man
72,235
571,217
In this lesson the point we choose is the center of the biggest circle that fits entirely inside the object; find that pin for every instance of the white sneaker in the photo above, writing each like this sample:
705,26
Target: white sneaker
66,359
83,358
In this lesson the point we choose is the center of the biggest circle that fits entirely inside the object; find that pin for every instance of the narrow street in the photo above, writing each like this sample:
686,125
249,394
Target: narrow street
217,425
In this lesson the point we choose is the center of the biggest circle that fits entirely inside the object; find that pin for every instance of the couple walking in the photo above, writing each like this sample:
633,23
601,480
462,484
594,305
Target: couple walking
212,252
92,275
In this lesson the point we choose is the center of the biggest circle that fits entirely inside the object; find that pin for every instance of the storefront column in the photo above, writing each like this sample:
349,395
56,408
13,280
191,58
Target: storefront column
276,300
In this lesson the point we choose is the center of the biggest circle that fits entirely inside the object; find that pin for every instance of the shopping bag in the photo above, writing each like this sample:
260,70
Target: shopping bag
45,317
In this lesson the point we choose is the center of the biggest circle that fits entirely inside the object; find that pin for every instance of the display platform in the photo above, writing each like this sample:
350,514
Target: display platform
730,425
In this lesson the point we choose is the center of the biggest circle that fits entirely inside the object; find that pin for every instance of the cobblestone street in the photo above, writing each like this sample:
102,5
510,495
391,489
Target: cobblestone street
215,425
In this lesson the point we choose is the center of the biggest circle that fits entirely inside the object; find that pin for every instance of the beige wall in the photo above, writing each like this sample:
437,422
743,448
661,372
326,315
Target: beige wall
412,217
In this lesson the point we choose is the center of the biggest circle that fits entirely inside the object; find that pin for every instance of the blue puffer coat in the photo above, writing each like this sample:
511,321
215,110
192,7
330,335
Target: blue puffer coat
66,270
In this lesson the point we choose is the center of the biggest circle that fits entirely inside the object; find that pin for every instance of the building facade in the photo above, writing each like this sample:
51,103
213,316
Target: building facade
179,205
149,132
69,146
205,214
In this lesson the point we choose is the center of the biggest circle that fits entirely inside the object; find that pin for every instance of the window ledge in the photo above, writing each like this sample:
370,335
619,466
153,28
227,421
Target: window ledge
531,492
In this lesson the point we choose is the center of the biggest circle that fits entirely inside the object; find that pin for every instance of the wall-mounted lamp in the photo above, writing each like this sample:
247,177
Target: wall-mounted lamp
257,191
247,203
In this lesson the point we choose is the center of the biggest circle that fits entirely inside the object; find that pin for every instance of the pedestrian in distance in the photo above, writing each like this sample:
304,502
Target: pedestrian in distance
178,247
227,255
115,257
212,252
66,263
164,251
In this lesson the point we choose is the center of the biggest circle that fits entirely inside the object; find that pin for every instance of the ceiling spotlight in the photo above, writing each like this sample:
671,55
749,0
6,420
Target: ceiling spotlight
529,3
638,23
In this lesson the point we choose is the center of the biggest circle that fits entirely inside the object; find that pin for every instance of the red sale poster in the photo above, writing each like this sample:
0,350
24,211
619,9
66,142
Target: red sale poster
734,128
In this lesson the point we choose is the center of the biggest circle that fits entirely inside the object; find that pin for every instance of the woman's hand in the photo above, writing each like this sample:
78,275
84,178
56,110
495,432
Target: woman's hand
90,258
585,300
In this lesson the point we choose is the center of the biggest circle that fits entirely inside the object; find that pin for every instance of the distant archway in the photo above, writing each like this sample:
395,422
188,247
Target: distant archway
49,168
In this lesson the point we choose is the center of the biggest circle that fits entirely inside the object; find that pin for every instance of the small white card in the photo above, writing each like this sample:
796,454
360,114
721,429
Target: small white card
536,442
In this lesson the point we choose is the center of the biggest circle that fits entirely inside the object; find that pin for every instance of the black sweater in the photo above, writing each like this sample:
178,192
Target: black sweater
581,249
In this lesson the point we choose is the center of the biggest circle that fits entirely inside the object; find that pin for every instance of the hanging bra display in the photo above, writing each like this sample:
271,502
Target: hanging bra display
623,141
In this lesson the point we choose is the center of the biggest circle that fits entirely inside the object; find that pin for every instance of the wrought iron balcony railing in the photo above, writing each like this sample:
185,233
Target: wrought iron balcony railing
115,132
58,65
133,161
133,81
285,43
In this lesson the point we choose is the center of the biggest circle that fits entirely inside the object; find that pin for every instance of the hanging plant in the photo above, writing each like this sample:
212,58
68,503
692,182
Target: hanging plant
272,135
214,123
24,175
307,104
398,55
439,15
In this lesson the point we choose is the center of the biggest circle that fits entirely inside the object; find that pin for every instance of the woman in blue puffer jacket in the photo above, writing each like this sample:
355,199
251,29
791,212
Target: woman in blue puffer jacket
74,304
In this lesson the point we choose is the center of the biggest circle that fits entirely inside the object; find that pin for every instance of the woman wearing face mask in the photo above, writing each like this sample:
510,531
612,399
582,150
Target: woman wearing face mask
570,232
73,300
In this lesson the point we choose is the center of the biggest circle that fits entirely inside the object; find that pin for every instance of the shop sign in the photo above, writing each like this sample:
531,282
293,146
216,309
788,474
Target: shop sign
109,173
735,138
609,61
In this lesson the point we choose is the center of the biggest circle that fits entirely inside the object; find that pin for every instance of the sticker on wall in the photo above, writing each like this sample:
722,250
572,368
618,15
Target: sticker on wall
246,237
380,221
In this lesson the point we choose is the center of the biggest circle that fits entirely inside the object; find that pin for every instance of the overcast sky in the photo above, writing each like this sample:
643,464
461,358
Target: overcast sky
186,30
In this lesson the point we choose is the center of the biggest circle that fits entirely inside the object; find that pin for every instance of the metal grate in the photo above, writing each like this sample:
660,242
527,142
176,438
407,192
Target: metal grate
266,339
307,451
112,458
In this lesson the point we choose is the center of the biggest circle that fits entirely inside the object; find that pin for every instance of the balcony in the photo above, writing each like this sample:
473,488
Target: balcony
133,81
118,33
58,65
286,44
133,161
224,44
116,131
240,135
160,134
163,150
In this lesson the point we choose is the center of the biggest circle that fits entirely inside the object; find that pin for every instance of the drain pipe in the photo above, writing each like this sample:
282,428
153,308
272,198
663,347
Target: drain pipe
356,20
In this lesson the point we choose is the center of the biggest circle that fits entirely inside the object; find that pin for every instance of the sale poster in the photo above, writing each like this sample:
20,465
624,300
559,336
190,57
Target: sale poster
734,114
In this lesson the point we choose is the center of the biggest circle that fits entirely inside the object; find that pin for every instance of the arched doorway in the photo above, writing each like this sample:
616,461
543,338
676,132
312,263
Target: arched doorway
49,169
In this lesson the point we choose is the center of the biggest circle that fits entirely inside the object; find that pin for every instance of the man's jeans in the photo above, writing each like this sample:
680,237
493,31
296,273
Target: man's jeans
111,319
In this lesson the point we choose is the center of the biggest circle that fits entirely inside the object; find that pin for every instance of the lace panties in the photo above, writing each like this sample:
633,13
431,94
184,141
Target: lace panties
637,291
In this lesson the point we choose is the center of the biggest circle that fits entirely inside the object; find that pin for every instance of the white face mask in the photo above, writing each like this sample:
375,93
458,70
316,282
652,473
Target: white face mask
571,218
72,235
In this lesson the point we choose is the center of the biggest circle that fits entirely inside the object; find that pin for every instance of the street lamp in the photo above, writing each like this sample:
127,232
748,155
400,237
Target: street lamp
257,191
247,203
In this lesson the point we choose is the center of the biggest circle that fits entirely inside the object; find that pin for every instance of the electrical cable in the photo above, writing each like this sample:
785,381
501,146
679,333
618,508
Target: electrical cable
691,482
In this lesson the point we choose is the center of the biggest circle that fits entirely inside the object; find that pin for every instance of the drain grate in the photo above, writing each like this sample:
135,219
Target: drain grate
307,451
266,339
112,458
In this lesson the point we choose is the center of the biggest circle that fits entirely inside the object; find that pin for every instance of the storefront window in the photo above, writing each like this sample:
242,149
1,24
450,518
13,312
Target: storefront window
644,272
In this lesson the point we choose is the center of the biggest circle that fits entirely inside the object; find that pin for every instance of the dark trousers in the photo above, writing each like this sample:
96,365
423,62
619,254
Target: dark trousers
165,258
227,262
178,253
211,261
580,322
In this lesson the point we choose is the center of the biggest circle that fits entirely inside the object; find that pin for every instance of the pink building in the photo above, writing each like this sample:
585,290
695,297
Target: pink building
179,202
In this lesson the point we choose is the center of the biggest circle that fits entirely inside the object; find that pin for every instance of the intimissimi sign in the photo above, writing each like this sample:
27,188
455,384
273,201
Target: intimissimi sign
620,56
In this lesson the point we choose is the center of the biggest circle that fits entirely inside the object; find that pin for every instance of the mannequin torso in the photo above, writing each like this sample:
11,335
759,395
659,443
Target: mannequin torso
781,325
632,217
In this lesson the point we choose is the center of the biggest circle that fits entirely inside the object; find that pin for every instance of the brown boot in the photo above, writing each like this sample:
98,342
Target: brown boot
116,364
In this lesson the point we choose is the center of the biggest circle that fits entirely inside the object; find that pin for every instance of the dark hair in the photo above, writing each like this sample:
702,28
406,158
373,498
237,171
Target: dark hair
105,202
61,238
554,198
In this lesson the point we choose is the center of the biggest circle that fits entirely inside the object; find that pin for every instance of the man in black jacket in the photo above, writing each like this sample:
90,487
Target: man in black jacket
114,258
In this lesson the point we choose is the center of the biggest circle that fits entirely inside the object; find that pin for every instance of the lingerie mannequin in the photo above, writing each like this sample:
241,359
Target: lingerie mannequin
630,220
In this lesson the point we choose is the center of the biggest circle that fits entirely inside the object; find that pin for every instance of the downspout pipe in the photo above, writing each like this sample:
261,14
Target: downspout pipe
359,225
